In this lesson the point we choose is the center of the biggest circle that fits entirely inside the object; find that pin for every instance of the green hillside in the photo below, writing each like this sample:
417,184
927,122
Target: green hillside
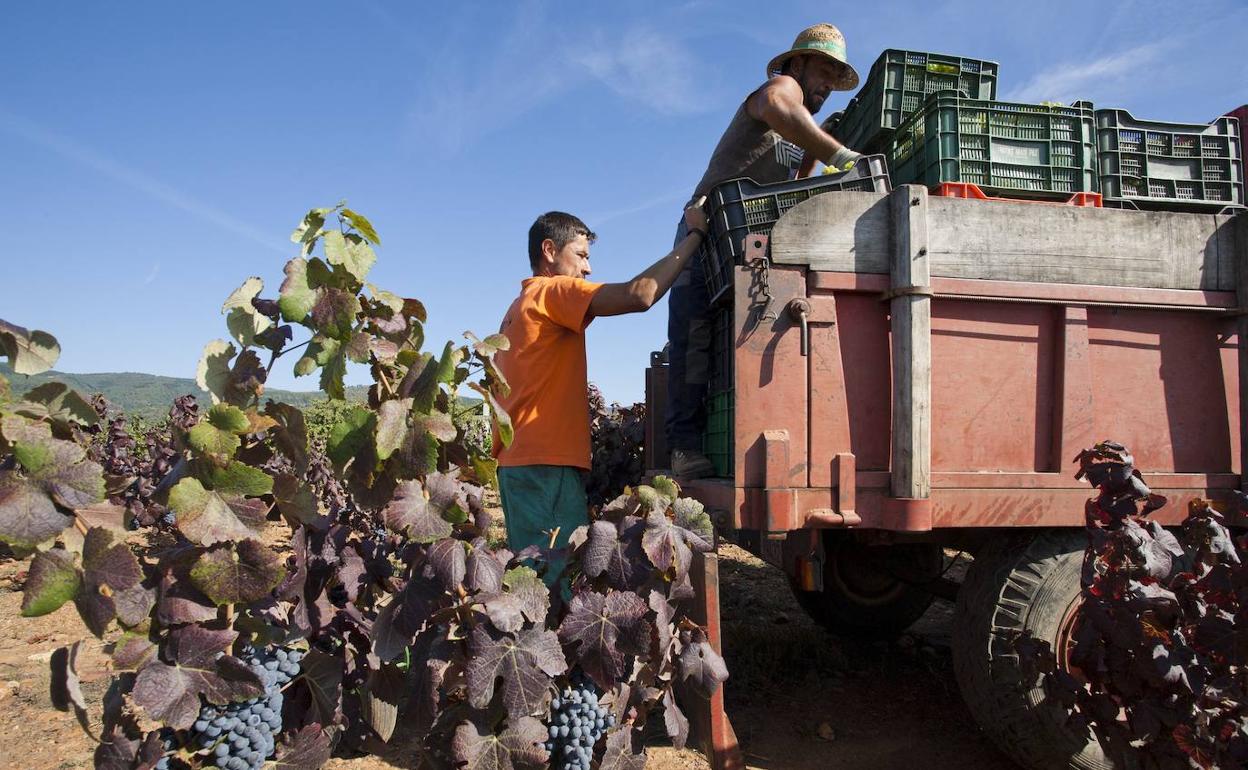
149,395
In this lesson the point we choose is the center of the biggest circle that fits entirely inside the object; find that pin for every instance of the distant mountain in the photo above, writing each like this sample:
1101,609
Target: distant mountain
150,395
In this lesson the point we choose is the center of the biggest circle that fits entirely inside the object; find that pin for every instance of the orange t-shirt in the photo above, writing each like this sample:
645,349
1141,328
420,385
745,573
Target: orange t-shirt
545,366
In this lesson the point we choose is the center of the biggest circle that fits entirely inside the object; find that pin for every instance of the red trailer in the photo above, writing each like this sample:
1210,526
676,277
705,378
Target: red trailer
913,373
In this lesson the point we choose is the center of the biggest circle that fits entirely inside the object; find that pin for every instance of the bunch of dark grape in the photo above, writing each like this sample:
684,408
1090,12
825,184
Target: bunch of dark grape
577,721
240,736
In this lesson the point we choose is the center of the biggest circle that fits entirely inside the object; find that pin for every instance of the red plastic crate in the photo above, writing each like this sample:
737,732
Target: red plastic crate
972,192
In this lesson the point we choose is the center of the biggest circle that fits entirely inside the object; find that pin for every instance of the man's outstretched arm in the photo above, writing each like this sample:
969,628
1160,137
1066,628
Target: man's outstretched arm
649,286
779,104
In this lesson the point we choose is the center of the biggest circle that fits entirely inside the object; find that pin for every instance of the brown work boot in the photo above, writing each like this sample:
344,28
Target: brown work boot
691,464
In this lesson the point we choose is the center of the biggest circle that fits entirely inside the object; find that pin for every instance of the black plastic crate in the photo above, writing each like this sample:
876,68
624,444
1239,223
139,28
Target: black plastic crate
898,84
1160,165
739,207
722,347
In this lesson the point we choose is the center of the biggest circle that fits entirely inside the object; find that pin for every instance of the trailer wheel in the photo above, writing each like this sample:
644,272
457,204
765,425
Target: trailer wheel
1021,583
871,591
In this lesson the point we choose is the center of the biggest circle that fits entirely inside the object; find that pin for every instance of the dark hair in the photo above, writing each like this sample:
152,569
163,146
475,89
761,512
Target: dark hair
560,228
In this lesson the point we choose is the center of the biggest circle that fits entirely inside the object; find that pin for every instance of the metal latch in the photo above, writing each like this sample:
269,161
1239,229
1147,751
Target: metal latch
799,309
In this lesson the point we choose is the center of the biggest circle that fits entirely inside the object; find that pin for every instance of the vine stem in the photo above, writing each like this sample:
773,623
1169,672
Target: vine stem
80,525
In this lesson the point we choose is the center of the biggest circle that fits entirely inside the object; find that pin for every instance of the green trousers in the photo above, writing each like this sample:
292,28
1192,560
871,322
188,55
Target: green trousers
537,500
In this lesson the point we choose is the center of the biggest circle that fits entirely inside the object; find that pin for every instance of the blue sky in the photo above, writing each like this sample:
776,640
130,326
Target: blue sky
153,155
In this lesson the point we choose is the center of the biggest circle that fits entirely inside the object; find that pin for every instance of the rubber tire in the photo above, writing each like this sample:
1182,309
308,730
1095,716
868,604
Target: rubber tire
845,614
1020,583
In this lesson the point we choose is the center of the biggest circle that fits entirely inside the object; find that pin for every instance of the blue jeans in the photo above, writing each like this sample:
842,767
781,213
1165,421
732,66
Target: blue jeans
688,355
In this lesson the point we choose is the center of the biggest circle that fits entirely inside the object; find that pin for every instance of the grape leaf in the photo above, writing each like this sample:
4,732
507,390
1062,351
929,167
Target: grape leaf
179,602
213,372
362,225
350,434
399,621
111,577
699,662
322,674
236,478
133,651
482,572
603,631
379,700
66,688
519,745
237,572
668,546
534,596
59,403
350,252
526,665
620,754
309,229
291,434
690,514
207,517
53,580
616,552
306,748
242,319
296,296
392,426
448,559
201,666
27,515
674,721
413,513
333,314
29,352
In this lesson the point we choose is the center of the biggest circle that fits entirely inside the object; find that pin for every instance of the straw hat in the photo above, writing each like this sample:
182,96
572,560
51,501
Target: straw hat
823,40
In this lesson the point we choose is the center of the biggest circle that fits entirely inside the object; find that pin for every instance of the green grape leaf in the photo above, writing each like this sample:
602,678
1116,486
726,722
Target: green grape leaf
295,499
236,478
392,426
213,443
246,571
350,253
333,377
362,225
308,231
29,352
213,372
229,418
350,434
53,580
490,345
207,517
242,319
296,296
320,351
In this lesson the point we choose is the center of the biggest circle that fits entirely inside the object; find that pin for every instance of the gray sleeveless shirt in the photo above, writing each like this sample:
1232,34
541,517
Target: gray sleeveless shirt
751,149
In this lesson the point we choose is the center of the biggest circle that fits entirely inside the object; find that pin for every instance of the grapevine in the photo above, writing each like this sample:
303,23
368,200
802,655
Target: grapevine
381,590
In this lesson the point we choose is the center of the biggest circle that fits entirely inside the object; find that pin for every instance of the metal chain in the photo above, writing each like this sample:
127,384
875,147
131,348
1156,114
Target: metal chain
761,267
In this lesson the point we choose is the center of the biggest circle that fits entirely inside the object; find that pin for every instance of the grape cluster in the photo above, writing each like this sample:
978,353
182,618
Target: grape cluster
240,736
577,721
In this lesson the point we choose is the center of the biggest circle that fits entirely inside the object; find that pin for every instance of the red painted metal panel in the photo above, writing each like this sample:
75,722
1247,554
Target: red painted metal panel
1162,387
770,376
992,386
864,384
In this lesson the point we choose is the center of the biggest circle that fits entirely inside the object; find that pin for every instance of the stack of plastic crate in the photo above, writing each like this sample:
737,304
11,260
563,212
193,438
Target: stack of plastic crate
717,440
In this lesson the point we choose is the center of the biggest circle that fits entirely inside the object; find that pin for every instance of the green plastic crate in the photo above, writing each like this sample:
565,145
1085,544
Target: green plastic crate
1170,165
1010,149
898,84
717,440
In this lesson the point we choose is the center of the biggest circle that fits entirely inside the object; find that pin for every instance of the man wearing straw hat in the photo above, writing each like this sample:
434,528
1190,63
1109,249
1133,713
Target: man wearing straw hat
770,134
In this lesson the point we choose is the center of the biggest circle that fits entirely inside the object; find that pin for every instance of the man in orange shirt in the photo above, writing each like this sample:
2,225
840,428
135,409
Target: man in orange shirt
540,472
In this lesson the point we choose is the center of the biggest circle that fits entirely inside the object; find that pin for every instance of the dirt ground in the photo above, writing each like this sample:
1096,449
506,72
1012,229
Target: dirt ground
799,697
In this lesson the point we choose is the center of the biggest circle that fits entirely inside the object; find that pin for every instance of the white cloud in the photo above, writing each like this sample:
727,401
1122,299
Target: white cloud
1069,81
649,67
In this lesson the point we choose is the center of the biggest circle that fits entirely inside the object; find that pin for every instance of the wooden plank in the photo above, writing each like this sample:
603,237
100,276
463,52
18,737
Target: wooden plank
849,232
1072,429
912,345
846,231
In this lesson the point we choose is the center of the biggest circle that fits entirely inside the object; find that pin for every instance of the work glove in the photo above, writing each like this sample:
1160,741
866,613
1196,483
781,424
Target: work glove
842,160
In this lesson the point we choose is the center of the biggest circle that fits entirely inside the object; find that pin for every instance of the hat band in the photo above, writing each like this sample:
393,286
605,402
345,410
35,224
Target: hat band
833,47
